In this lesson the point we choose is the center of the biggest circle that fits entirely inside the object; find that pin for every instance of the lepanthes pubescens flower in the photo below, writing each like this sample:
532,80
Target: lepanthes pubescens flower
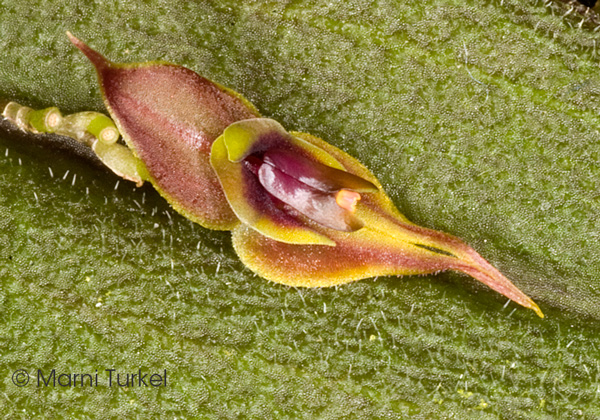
302,212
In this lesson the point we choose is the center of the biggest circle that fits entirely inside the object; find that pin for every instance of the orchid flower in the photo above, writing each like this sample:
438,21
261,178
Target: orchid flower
302,212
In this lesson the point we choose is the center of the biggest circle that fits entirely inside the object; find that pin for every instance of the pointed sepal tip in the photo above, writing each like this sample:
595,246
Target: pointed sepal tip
97,59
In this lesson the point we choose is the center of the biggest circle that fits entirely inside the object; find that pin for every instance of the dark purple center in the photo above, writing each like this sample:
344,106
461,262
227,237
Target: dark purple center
307,186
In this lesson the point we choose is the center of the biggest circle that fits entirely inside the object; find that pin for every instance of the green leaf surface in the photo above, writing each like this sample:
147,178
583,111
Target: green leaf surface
479,118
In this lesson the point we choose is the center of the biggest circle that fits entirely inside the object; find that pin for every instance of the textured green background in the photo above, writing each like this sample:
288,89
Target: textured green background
479,117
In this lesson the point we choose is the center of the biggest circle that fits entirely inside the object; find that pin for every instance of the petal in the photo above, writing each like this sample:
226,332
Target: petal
259,135
170,117
256,135
254,206
353,166
290,154
315,174
267,138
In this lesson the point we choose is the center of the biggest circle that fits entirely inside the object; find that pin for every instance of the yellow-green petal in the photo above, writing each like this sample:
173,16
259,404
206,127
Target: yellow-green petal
254,206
